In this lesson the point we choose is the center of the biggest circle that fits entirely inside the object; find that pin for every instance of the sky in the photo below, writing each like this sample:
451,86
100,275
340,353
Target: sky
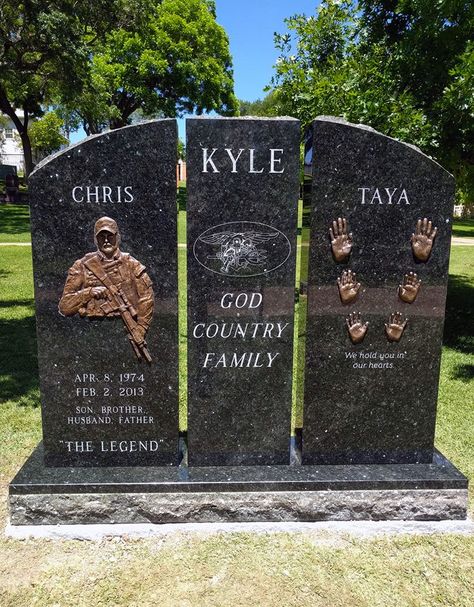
250,25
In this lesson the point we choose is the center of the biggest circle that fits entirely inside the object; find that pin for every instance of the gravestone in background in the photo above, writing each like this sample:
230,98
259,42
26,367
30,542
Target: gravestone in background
108,397
242,189
380,241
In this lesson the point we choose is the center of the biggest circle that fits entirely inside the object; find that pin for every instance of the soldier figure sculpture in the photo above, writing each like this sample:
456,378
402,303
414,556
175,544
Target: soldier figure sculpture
109,283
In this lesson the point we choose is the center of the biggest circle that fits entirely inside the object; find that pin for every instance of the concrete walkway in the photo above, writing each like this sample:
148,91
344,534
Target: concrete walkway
325,531
466,242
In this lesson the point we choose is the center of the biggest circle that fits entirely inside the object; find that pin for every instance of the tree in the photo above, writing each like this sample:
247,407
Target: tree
431,50
44,51
370,62
173,59
268,106
99,61
46,136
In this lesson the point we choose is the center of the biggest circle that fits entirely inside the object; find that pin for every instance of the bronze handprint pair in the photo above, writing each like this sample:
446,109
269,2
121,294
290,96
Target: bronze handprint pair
358,328
349,287
422,239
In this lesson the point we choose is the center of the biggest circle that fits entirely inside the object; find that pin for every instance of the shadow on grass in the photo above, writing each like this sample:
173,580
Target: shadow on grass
17,302
463,227
459,323
14,219
18,360
464,373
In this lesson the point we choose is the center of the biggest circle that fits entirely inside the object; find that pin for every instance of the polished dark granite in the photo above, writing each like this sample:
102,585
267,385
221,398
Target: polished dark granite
131,176
241,221
35,478
375,401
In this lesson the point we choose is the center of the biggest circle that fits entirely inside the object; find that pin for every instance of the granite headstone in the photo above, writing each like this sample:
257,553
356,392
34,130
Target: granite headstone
105,271
242,217
379,252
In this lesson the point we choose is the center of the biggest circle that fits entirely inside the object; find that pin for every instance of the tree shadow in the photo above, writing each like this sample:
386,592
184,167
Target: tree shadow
460,225
464,373
459,322
14,219
181,198
18,359
17,302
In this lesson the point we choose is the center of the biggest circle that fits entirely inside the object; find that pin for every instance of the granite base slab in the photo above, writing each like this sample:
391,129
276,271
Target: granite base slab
51,496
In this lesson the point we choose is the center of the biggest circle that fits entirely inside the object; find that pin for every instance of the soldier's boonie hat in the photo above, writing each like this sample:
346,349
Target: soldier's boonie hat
107,224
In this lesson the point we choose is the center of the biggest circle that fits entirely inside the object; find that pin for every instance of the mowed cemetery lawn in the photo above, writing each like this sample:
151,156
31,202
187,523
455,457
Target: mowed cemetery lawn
240,569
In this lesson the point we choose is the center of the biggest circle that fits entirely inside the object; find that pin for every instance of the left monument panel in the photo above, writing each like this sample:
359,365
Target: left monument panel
104,241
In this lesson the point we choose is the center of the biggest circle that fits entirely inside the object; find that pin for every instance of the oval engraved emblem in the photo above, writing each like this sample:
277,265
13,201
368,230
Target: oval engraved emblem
242,248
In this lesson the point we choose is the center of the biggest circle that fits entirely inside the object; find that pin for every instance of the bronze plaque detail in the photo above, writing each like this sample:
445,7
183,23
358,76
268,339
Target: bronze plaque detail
357,327
423,238
408,290
348,287
341,241
109,283
395,326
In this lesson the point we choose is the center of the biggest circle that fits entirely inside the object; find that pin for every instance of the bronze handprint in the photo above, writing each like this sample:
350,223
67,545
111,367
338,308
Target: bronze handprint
408,291
395,327
348,287
356,327
341,241
423,238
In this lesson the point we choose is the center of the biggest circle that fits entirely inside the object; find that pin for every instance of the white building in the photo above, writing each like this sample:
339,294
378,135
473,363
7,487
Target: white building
11,151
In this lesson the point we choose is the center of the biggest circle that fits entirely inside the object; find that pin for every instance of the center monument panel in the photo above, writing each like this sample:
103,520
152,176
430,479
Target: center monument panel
242,217
105,266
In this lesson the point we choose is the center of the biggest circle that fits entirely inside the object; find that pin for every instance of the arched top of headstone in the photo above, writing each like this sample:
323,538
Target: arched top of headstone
133,131
334,121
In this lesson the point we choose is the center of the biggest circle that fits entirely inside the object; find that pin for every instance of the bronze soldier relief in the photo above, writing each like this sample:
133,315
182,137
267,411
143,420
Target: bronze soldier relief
357,327
395,326
408,290
341,241
422,240
348,287
110,284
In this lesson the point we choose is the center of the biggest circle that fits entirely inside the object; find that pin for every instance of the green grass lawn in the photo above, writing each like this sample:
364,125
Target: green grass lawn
14,223
301,570
463,227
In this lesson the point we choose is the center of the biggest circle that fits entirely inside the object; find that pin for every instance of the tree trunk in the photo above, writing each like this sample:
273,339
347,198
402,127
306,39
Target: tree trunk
27,153
117,123
21,127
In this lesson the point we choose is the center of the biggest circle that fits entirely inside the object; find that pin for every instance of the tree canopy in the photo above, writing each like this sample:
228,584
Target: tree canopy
169,58
99,61
404,67
46,136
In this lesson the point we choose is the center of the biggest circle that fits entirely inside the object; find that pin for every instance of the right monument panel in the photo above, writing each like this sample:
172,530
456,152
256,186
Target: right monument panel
378,272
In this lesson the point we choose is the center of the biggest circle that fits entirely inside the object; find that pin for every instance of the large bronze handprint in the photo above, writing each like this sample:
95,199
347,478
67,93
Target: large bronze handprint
408,291
356,327
423,238
395,327
348,287
341,241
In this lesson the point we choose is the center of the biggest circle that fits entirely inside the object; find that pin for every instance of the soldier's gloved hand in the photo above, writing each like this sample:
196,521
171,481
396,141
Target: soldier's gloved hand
138,333
99,292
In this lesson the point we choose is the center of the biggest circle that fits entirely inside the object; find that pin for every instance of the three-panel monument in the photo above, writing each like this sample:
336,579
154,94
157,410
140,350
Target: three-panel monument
105,253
